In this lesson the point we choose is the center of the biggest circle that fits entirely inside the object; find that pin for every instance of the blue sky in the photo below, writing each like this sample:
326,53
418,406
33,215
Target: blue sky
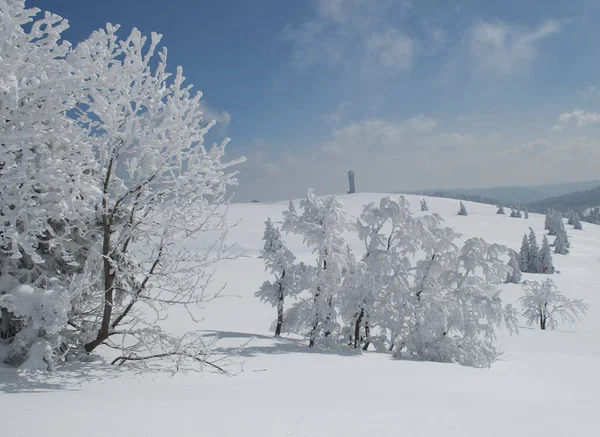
409,94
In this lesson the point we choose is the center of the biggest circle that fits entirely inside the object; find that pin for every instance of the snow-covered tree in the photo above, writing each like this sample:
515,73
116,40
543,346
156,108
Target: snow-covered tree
545,258
514,213
462,209
158,186
519,214
414,292
544,304
435,306
280,262
524,255
525,212
514,275
292,207
453,312
321,224
534,265
571,217
500,210
554,222
424,206
577,222
561,242
46,168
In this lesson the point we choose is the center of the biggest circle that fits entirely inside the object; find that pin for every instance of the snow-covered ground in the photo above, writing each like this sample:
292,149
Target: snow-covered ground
545,384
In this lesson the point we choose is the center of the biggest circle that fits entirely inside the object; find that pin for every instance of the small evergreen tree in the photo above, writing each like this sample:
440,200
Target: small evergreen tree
500,210
561,243
554,222
577,222
525,212
545,258
292,207
462,210
519,215
544,304
571,217
424,206
524,255
514,213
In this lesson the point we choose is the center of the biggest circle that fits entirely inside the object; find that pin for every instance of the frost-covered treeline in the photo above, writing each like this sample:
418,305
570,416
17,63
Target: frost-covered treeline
103,174
413,291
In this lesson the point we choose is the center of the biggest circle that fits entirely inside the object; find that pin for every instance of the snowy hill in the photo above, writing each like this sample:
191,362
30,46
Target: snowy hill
544,384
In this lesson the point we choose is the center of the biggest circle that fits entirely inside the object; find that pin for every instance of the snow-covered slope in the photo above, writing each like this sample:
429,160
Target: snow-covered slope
545,383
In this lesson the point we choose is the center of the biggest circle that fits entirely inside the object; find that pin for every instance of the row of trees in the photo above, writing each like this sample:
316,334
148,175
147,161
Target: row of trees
532,257
103,173
515,211
413,292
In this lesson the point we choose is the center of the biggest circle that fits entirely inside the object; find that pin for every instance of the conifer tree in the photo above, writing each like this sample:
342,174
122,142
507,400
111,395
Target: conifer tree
424,206
514,213
547,220
292,207
525,212
577,222
534,250
545,257
519,215
500,210
524,255
561,243
462,210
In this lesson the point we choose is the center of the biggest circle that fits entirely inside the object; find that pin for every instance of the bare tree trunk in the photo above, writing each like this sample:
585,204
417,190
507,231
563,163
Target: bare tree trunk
4,326
109,274
109,279
279,311
357,323
367,334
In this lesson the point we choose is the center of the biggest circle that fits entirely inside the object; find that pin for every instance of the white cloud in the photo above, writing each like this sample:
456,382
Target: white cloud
528,150
579,117
353,34
391,49
376,136
590,93
222,118
501,49
395,155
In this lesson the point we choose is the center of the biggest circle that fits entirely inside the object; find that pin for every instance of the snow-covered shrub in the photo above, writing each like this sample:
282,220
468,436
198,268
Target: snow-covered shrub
514,276
544,304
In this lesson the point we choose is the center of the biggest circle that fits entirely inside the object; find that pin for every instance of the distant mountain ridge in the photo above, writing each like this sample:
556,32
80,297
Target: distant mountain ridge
579,201
521,194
